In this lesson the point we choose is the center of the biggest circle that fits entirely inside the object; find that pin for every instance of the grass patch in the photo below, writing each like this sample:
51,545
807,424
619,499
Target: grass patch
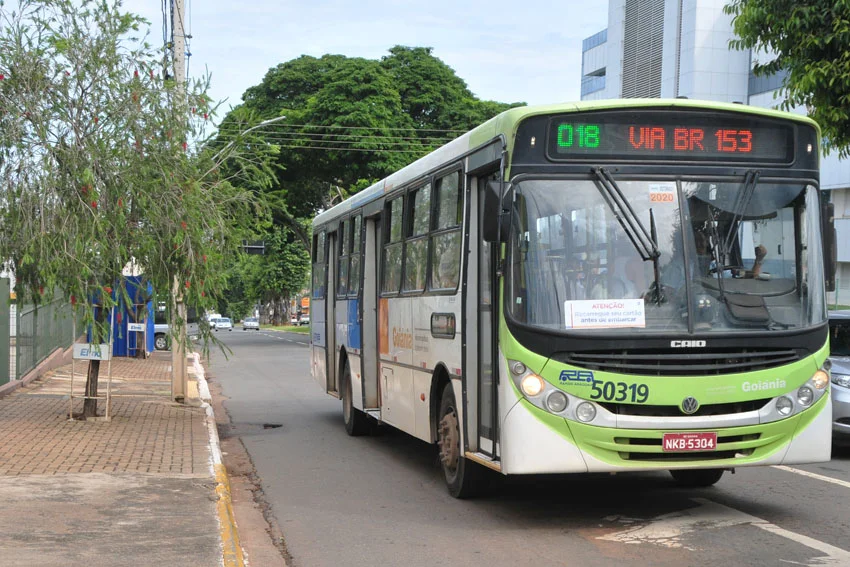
837,307
303,329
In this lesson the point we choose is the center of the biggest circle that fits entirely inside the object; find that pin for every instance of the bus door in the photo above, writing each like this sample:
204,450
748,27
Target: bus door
330,315
488,437
369,316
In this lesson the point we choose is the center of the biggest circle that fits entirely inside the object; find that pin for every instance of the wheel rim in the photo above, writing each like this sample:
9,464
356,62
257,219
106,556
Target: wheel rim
449,442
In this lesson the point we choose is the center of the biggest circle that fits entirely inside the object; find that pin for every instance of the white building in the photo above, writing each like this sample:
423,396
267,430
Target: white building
680,48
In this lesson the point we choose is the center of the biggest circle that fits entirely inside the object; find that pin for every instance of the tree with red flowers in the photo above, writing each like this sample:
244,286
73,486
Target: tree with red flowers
100,169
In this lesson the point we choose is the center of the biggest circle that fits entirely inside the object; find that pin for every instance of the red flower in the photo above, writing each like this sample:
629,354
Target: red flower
107,289
73,300
95,119
120,203
136,73
118,317
206,116
188,284
205,258
203,294
151,73
84,189
185,146
94,204
2,76
183,225
41,290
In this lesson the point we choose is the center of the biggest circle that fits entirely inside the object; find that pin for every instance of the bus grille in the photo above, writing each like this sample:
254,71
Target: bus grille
676,411
677,362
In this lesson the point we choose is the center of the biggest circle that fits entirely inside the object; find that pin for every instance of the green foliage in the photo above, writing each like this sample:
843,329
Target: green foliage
811,40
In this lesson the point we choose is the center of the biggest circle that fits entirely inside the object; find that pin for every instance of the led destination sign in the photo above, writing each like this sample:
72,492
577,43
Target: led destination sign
685,136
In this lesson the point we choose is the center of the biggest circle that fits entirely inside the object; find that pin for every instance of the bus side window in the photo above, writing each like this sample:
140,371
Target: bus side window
391,274
344,240
416,245
354,270
446,242
319,265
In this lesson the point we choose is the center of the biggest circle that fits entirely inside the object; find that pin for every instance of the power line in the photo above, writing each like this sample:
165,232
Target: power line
317,135
421,150
329,127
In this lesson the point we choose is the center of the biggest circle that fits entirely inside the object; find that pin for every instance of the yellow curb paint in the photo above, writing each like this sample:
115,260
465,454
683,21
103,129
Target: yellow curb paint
231,549
193,393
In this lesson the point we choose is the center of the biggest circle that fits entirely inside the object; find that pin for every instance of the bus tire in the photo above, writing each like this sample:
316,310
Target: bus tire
697,478
464,478
356,422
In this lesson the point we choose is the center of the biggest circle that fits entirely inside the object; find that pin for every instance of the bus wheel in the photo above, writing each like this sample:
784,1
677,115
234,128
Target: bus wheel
699,478
464,478
356,422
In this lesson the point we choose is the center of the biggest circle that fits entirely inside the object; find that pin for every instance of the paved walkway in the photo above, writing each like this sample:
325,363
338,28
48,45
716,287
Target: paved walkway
142,489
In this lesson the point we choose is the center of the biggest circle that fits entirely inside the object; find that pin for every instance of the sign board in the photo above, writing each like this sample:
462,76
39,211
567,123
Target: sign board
136,327
88,351
305,302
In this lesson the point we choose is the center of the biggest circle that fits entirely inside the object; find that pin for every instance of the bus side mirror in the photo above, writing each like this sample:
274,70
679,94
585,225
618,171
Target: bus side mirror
830,252
492,229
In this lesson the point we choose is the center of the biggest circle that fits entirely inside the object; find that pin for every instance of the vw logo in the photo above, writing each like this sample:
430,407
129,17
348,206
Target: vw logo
690,405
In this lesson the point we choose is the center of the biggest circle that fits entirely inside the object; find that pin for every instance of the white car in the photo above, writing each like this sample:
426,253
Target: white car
250,323
223,324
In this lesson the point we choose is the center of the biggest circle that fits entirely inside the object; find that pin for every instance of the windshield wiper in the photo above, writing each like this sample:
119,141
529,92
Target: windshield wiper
645,242
742,201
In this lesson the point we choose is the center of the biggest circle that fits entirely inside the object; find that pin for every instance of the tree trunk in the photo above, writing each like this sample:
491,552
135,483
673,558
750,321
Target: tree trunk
90,404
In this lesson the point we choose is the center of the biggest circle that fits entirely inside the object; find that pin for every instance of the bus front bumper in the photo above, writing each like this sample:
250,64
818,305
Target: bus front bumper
536,442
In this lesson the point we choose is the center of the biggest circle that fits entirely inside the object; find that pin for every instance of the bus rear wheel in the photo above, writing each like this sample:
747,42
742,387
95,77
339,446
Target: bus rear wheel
699,478
356,422
463,477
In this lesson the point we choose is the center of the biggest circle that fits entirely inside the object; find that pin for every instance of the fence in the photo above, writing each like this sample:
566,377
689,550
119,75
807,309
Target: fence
41,330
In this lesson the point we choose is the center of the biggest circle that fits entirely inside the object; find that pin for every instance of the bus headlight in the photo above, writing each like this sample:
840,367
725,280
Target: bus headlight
518,368
820,379
805,395
532,385
586,412
557,401
784,405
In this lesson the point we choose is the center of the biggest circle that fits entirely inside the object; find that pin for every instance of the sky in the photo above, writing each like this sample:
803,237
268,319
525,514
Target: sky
507,51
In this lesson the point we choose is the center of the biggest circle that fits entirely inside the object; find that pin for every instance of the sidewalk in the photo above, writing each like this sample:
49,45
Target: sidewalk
146,488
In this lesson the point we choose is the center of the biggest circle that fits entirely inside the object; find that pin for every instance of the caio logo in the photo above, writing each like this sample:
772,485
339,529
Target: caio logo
687,344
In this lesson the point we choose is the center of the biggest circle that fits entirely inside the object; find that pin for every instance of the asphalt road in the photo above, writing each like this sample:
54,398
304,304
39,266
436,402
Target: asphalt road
381,501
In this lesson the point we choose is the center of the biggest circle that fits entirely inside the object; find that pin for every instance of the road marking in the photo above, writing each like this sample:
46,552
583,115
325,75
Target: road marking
668,530
824,478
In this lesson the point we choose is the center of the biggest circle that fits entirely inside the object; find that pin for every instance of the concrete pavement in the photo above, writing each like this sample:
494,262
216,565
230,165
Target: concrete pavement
146,488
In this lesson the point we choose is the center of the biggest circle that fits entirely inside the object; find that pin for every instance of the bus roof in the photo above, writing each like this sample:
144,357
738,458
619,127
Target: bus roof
506,123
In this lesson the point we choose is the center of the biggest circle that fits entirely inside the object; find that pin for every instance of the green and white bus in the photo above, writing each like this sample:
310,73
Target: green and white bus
606,286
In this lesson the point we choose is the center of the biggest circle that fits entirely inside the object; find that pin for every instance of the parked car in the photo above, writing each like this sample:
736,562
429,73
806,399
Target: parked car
839,355
250,323
305,319
162,330
223,324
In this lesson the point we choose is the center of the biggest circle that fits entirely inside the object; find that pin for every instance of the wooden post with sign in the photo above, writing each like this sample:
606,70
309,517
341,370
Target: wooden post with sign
99,352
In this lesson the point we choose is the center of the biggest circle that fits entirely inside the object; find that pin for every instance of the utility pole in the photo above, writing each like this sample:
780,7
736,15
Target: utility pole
179,374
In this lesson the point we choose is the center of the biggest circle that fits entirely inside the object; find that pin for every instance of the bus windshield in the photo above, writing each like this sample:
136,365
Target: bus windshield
716,255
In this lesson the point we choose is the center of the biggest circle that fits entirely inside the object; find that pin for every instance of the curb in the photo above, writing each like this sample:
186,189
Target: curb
231,550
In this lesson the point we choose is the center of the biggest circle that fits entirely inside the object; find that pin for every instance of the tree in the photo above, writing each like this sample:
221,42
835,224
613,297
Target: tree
434,96
99,170
811,40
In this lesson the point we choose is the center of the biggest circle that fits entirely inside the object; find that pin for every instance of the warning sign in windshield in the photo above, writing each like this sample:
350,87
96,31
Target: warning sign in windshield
604,314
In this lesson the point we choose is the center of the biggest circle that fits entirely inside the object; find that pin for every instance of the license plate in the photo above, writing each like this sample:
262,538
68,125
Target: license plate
684,442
